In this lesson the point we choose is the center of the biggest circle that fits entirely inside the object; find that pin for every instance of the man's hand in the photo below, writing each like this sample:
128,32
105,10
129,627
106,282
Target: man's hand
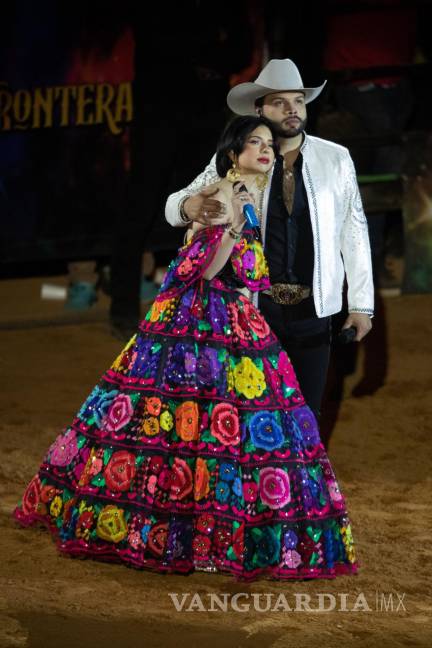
361,321
205,209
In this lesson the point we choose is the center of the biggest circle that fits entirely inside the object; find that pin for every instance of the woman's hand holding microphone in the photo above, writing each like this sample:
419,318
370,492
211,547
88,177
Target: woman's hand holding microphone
241,197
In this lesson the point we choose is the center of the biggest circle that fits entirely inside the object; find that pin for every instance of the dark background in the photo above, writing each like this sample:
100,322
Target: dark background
67,192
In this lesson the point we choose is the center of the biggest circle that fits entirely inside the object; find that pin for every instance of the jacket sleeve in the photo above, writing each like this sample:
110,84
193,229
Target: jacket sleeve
355,246
172,207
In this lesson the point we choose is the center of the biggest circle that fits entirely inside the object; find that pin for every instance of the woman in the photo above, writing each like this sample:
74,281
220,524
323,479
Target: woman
196,449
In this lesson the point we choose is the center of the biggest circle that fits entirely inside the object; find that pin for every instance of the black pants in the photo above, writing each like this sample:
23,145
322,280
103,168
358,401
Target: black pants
306,339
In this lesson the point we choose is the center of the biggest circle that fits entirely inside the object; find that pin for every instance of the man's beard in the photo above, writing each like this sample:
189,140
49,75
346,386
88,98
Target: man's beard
291,131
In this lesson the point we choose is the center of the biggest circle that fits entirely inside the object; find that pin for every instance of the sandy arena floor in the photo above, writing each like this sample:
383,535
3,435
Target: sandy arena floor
381,451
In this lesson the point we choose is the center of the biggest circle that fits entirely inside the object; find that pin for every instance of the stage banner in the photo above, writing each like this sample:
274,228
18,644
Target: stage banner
66,107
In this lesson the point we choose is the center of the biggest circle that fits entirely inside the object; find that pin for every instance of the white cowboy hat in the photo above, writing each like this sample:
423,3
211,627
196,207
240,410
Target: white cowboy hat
279,75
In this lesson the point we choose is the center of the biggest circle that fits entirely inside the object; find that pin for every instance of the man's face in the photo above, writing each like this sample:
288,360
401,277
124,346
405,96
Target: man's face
287,111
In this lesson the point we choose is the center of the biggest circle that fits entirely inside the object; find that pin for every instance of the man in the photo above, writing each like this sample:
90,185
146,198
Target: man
313,224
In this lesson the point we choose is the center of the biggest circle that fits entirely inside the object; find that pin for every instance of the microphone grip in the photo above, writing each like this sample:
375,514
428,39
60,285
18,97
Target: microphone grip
347,335
248,209
250,216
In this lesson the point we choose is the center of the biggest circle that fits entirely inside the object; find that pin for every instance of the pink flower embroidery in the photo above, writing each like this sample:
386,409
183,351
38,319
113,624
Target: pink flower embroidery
96,466
64,449
334,491
274,487
250,491
286,370
134,539
151,484
119,414
292,559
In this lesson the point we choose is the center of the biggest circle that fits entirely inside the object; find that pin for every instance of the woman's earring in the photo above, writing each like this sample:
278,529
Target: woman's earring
233,174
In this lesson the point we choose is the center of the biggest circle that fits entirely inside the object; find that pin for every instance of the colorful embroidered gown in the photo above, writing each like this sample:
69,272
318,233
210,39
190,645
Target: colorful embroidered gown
196,449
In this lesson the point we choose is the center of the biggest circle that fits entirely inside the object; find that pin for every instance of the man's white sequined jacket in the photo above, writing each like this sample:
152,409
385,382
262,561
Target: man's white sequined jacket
340,231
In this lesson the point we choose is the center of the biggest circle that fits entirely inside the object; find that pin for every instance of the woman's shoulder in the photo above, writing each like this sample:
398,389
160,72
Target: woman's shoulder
225,185
223,189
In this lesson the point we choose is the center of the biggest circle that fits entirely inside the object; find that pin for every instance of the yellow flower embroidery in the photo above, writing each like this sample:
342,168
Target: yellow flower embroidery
248,379
230,380
111,525
348,542
116,364
158,309
150,426
261,268
56,506
166,421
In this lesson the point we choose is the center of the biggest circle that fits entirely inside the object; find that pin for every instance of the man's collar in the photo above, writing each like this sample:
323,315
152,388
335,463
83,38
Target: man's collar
302,145
305,139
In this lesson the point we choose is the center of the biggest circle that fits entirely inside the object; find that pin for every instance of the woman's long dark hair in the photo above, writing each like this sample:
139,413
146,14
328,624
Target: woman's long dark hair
234,137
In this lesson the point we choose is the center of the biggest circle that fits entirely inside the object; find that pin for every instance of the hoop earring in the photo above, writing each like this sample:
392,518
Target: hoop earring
233,174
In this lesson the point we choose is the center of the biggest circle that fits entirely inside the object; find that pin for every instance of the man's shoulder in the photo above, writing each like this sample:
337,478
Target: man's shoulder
318,143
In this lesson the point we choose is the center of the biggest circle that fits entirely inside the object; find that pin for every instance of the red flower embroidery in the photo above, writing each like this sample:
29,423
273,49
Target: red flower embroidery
84,524
120,471
31,496
201,545
67,510
153,405
240,328
205,523
156,464
164,479
181,479
48,493
185,268
222,538
157,538
254,319
238,542
225,424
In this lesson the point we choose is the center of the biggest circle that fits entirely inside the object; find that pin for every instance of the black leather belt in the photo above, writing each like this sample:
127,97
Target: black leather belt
282,293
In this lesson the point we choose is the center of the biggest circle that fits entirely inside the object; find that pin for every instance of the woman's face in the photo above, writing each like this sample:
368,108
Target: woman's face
257,155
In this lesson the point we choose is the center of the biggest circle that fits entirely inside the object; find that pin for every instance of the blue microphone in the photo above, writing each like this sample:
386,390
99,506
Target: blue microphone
248,209
250,216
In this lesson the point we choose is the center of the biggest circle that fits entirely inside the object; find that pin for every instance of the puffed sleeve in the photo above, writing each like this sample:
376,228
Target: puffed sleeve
249,263
191,262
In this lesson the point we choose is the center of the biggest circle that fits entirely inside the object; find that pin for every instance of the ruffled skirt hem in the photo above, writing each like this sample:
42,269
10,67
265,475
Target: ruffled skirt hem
81,549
